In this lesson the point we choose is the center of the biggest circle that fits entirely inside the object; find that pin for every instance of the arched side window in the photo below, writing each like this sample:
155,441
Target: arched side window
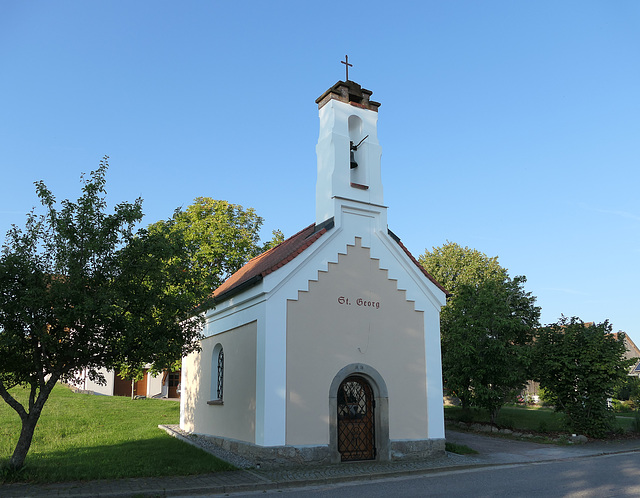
220,382
217,375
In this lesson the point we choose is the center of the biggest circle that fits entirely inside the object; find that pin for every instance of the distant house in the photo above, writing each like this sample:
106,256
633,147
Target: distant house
632,353
164,385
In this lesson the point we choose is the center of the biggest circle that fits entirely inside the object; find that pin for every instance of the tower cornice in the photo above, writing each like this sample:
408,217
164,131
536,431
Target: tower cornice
349,92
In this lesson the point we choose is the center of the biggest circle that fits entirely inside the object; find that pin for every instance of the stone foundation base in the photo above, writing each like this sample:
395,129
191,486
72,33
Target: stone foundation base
279,456
273,456
417,450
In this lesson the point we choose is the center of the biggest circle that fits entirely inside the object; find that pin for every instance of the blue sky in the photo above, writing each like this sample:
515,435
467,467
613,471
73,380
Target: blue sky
509,127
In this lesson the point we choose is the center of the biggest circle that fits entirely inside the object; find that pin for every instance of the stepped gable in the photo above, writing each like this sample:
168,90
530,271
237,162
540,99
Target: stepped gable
260,266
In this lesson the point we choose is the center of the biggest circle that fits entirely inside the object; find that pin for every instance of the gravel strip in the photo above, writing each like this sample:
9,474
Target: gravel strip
209,446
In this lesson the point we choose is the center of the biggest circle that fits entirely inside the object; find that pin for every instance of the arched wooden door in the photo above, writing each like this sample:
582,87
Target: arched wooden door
356,420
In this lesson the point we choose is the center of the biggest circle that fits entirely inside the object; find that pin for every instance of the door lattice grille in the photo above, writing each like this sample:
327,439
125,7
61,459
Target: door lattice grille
356,438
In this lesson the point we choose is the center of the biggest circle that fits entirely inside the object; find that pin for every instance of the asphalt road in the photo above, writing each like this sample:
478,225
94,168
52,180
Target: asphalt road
596,476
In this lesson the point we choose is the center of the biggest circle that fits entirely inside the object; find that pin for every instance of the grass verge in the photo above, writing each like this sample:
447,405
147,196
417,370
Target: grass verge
460,449
83,437
531,418
525,419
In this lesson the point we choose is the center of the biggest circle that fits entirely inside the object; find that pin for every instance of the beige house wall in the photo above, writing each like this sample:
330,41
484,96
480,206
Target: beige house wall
235,418
353,313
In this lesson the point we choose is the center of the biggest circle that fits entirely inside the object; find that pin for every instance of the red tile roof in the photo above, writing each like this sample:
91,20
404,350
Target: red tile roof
278,256
268,262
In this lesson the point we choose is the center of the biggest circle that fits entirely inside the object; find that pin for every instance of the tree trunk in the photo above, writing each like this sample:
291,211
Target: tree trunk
493,415
24,442
29,419
464,402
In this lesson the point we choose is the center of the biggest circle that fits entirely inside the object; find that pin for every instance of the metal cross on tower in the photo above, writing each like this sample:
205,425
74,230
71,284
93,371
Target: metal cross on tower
346,65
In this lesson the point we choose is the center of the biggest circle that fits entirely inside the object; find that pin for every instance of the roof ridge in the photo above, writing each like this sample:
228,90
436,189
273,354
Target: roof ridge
310,239
278,245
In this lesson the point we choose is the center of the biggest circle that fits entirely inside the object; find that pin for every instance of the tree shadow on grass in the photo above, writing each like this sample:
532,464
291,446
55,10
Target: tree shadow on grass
152,457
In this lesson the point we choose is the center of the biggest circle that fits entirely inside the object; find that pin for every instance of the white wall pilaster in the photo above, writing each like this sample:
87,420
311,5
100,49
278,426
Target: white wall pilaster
271,382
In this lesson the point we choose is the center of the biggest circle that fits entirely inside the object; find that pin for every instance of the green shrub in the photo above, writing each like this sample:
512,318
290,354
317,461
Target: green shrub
580,365
622,406
545,396
513,417
628,389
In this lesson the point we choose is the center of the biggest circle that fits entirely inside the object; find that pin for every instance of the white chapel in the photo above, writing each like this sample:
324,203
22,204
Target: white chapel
327,347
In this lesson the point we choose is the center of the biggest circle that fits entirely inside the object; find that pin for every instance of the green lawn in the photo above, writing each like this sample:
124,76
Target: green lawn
81,436
530,418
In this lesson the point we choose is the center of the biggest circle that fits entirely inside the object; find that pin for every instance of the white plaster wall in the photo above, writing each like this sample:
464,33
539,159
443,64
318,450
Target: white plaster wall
236,417
272,350
327,329
255,305
435,406
154,385
106,389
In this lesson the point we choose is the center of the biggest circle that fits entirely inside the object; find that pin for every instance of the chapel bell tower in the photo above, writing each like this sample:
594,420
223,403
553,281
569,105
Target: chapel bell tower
348,150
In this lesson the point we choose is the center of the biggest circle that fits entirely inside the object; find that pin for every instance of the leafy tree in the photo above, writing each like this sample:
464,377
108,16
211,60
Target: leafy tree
214,238
579,365
80,290
485,327
452,265
220,237
276,238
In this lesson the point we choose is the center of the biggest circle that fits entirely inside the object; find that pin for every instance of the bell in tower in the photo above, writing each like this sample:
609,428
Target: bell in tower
353,148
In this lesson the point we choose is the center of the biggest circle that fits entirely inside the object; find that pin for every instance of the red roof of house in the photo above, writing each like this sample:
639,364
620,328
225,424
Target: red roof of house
260,266
632,347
